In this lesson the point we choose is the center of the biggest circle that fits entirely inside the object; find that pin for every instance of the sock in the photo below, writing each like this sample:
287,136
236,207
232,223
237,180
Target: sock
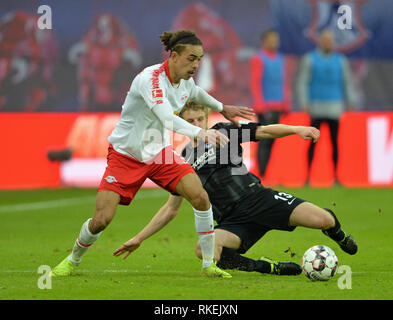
335,233
205,228
84,241
230,259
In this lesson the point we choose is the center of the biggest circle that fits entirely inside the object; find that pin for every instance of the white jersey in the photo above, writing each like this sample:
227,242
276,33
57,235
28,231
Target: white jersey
140,133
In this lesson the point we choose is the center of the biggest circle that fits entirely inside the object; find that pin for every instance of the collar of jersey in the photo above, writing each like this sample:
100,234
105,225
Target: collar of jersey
166,68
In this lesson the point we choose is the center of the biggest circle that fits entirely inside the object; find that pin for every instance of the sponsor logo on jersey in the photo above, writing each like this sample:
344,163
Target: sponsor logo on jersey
205,158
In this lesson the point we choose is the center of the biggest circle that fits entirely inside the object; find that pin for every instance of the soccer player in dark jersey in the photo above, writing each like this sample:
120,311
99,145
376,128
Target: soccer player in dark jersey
243,208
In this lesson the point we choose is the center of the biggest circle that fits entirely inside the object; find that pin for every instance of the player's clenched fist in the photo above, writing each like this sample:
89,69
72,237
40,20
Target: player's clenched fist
308,133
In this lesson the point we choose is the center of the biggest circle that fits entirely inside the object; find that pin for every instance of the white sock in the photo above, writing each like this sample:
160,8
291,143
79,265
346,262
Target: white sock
84,241
205,229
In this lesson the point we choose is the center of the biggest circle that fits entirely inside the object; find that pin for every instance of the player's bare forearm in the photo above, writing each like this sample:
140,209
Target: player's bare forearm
167,213
273,131
282,130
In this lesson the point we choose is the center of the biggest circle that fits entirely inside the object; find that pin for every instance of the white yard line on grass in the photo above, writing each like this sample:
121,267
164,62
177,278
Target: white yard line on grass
104,271
46,204
29,206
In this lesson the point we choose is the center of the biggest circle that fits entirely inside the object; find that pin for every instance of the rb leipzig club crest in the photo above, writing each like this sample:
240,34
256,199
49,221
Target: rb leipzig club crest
326,14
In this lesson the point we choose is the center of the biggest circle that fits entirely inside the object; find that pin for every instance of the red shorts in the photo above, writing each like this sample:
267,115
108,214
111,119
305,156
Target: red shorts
125,175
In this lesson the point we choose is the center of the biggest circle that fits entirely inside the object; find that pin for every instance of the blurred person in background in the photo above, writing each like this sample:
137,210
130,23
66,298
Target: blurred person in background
27,61
224,65
325,90
106,57
269,88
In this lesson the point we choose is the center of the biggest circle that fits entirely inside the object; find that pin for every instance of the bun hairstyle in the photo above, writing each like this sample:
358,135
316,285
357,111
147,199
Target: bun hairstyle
176,40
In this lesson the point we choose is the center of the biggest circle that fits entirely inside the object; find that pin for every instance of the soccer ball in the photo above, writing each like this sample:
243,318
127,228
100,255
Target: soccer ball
319,263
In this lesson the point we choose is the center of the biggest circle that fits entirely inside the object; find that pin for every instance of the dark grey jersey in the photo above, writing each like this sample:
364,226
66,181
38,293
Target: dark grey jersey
221,170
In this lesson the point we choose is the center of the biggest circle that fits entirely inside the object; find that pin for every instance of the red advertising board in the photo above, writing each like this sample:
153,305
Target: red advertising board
365,151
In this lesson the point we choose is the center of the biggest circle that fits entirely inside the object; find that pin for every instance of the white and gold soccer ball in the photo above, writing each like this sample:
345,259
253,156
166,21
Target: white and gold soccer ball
319,263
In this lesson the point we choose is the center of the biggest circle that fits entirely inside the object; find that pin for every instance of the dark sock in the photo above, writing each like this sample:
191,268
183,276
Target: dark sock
335,233
230,259
263,266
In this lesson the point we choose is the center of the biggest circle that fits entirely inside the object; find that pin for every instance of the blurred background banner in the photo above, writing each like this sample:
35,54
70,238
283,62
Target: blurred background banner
95,47
299,21
64,87
365,139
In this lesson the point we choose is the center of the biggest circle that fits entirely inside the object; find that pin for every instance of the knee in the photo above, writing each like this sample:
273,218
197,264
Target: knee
326,221
100,220
200,200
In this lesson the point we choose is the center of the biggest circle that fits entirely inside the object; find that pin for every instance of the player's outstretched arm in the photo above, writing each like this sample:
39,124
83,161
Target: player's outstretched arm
167,213
281,130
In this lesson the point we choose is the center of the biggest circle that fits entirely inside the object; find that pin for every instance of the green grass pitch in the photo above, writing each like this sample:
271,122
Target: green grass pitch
39,227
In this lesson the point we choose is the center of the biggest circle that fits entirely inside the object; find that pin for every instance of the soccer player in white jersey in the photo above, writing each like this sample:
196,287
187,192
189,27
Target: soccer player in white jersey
140,148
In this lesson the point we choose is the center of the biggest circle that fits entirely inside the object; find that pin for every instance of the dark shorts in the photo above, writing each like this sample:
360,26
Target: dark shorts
262,210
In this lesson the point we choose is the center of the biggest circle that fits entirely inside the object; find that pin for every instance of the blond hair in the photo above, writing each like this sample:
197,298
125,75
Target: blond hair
191,105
